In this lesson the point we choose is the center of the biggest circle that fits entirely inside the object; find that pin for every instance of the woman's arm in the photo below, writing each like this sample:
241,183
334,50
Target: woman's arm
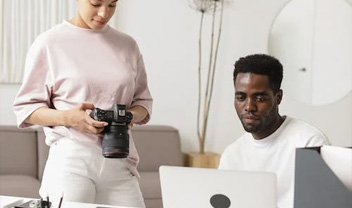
139,114
76,117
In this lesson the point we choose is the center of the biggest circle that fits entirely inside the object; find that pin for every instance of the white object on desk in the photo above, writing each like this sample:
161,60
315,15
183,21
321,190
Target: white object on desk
9,201
339,159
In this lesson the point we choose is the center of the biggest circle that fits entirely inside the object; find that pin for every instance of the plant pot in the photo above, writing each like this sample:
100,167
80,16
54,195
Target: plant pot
206,160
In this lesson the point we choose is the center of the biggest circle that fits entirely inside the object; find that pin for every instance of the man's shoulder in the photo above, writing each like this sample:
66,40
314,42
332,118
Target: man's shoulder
304,133
294,123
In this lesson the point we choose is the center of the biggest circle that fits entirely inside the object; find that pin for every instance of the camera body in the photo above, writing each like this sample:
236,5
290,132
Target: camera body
115,143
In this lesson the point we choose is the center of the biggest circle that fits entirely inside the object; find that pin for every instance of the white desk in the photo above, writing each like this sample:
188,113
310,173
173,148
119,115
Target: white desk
6,200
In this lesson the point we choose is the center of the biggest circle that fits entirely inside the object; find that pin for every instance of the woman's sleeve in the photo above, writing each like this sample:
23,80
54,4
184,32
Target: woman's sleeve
35,91
142,96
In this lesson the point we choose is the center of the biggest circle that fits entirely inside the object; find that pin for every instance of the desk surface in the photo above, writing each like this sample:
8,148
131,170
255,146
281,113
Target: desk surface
6,201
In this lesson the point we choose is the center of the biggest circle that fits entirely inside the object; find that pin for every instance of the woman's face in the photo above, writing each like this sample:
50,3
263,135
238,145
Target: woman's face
94,14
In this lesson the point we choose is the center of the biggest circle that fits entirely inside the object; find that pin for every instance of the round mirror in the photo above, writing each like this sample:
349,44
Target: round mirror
313,41
349,1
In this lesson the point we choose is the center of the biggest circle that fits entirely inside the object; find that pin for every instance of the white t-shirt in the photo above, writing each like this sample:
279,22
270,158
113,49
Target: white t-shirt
275,153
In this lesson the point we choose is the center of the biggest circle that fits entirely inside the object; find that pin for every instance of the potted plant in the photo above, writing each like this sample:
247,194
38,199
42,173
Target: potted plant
212,7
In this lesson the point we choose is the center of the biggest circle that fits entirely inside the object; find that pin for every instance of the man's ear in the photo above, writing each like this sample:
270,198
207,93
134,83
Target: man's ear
279,96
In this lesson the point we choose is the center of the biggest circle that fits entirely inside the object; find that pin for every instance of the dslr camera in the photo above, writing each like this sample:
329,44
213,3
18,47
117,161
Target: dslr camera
115,142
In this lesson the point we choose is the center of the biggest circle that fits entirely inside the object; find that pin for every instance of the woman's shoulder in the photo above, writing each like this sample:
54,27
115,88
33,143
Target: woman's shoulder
119,35
43,39
49,34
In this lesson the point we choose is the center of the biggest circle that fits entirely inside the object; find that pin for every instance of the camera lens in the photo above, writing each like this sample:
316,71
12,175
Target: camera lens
116,142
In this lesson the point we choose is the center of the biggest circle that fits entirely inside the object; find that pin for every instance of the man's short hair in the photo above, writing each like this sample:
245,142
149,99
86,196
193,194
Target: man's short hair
261,64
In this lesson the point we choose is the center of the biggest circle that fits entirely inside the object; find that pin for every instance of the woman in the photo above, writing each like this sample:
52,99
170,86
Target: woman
71,69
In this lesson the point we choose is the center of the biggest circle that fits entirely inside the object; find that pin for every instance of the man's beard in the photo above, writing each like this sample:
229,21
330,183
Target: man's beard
264,122
252,129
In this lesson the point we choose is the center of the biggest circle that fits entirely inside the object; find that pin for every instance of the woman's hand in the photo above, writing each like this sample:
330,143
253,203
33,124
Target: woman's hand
78,118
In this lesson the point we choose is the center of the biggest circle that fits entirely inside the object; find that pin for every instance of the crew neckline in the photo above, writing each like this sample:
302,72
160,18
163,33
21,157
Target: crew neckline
102,30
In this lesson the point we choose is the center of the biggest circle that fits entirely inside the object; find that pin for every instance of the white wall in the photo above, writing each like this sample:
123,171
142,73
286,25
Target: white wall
7,96
167,35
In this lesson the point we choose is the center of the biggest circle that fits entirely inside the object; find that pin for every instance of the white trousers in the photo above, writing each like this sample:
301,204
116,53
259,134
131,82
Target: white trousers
80,173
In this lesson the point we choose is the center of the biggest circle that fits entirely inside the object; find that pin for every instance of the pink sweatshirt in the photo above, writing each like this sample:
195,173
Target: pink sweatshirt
68,65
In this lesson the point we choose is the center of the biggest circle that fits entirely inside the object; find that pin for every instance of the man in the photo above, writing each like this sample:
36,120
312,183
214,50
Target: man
271,139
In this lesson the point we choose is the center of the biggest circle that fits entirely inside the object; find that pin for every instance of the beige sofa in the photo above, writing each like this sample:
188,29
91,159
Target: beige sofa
23,155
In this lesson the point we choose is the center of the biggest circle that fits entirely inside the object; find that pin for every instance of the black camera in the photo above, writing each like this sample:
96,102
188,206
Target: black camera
115,142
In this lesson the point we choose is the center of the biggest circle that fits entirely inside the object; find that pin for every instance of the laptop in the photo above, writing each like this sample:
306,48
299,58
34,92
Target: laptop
188,187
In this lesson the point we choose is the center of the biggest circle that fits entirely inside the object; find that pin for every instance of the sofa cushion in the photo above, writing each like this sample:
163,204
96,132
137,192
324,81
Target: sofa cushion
150,185
157,145
43,152
20,145
153,203
19,185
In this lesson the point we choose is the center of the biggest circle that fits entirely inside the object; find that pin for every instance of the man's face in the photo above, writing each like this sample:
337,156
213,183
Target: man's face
256,104
94,14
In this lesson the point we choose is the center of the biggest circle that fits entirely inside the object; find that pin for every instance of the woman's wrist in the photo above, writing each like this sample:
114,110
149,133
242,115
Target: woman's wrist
139,113
64,120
